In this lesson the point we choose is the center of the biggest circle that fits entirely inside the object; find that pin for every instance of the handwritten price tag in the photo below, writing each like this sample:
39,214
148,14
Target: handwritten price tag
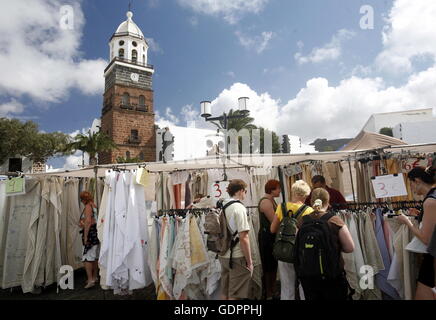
389,186
218,190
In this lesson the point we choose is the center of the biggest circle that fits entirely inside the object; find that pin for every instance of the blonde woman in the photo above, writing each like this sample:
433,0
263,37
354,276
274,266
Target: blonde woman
300,190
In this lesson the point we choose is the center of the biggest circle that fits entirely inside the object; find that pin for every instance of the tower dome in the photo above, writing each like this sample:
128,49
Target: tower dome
128,43
129,27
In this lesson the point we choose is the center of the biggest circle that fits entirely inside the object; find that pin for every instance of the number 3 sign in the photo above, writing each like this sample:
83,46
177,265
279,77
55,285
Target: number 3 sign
389,186
218,190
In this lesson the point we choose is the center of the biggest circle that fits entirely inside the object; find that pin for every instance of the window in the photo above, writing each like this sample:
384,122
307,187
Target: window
126,99
141,101
134,134
127,155
134,55
134,43
121,43
141,156
121,53
143,58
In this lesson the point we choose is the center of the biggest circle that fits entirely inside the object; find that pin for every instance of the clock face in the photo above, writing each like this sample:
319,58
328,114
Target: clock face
134,77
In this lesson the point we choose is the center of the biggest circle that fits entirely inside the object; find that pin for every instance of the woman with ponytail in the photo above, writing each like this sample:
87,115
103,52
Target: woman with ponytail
423,184
316,288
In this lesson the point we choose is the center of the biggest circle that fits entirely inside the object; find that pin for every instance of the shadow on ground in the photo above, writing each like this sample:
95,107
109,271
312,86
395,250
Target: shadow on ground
78,293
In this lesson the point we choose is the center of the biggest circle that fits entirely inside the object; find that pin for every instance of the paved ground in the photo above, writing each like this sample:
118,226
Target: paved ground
79,293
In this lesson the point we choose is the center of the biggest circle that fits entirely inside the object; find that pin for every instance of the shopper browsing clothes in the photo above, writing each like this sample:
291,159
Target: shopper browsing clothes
267,208
336,198
299,192
321,238
237,264
88,223
422,183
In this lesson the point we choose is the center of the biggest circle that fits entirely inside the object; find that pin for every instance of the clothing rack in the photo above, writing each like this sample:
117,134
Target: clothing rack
406,203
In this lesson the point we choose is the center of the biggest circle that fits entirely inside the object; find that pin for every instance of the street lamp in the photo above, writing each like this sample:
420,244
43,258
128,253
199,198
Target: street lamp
206,113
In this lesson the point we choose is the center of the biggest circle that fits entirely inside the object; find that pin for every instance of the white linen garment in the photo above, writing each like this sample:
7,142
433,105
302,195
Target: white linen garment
107,246
135,248
120,273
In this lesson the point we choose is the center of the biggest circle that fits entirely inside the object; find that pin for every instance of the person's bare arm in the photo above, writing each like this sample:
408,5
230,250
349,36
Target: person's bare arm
267,208
244,240
346,240
275,224
428,222
88,221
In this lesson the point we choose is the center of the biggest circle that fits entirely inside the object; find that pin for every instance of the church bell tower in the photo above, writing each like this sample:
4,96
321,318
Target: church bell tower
128,115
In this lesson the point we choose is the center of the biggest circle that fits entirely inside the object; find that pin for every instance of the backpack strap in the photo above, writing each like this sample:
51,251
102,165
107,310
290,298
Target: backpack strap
234,241
300,211
327,216
285,210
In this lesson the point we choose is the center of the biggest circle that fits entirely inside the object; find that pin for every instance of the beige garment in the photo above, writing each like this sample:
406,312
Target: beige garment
199,256
256,288
35,256
74,244
20,210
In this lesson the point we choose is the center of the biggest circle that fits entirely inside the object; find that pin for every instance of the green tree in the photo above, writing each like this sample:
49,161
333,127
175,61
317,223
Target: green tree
386,131
24,139
93,144
130,160
239,123
276,147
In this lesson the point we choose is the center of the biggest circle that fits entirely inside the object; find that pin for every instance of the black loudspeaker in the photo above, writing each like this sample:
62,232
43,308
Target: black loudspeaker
15,164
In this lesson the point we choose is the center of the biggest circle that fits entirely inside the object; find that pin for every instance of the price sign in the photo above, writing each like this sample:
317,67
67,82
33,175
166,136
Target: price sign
389,186
15,186
413,163
218,190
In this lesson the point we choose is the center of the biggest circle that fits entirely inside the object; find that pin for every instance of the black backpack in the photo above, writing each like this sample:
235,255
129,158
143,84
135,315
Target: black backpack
316,255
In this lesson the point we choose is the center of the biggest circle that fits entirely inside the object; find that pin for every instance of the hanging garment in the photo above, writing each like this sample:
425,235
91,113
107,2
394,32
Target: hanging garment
179,177
353,271
120,273
16,235
165,283
153,252
136,242
70,208
382,277
4,206
182,259
107,248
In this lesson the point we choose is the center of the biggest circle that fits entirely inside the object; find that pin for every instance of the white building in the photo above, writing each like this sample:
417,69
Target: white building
391,119
416,132
190,143
297,147
411,126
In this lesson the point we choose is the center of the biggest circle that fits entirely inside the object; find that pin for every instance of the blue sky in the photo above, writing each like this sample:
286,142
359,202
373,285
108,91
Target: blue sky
206,49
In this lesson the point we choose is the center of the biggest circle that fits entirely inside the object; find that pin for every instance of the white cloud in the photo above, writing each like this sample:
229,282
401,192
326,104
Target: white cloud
154,46
41,60
11,107
331,51
75,160
189,113
319,109
257,43
410,33
231,10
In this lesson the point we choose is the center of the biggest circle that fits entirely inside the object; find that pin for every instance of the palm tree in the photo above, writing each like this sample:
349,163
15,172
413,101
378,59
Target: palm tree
93,144
239,123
